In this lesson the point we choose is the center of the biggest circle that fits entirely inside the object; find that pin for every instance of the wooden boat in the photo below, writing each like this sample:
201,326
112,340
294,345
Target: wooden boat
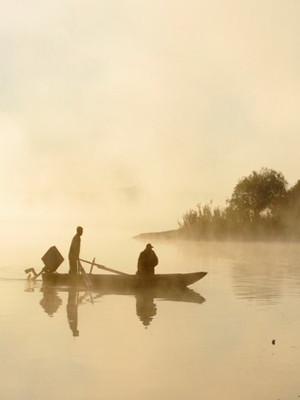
100,281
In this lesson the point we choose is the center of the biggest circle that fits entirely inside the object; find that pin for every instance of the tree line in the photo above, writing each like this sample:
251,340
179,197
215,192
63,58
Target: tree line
261,207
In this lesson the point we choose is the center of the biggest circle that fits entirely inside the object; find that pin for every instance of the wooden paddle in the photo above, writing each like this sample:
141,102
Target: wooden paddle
84,275
104,268
92,266
86,279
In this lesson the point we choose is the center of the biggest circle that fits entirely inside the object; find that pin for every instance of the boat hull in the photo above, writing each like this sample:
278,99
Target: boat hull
100,281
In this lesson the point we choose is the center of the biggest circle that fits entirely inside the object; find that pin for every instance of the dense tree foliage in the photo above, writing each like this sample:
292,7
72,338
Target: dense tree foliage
261,207
258,193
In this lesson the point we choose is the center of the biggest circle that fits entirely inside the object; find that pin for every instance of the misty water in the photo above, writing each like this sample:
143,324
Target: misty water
236,338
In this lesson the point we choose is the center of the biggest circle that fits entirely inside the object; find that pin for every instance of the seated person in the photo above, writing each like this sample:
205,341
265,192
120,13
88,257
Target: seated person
147,261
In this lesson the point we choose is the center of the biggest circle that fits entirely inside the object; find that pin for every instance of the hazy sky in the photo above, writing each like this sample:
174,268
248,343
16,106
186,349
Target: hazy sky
136,110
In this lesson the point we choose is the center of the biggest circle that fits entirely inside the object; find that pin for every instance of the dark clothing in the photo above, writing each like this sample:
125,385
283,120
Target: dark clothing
74,254
73,267
146,262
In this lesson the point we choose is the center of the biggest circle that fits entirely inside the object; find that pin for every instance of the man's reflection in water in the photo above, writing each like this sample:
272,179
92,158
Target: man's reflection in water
72,311
145,307
50,301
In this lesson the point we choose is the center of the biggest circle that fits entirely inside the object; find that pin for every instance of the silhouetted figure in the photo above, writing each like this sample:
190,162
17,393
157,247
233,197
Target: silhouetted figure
72,311
145,307
74,251
50,301
147,261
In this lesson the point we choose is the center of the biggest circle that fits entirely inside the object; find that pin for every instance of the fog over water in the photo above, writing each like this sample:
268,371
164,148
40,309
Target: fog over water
120,116
129,114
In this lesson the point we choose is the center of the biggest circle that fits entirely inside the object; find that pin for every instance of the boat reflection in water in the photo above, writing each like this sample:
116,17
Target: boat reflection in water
51,303
146,308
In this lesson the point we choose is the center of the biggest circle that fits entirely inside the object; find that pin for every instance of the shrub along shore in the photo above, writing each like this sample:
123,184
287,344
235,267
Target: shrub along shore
261,207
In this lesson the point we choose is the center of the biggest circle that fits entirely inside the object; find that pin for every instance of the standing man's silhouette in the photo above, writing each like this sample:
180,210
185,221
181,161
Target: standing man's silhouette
74,251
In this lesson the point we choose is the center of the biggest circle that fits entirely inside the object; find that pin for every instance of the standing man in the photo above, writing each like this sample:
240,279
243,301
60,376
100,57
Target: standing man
147,261
74,251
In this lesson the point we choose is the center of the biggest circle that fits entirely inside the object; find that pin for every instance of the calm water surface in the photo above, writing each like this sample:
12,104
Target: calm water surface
213,343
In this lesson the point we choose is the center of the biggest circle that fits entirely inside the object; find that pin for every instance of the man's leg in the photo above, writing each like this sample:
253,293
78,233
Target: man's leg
73,267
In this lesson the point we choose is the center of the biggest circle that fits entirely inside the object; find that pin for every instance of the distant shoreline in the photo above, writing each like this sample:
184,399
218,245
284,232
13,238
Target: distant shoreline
182,234
164,235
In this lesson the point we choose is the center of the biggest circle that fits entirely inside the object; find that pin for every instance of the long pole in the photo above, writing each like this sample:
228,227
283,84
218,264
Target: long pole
104,268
